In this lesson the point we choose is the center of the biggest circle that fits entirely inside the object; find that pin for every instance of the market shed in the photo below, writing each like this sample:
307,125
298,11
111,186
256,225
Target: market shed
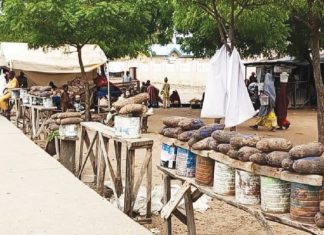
300,83
44,65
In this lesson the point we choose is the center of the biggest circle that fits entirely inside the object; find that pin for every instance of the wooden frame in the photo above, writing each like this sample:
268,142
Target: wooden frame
98,152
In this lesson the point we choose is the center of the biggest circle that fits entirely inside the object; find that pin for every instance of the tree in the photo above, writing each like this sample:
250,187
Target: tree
311,14
120,27
253,26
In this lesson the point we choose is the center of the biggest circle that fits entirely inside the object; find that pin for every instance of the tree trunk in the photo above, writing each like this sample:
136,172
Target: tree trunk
86,85
315,41
232,26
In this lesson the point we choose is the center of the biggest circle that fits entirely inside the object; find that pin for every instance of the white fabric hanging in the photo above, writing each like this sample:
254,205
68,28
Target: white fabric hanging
226,94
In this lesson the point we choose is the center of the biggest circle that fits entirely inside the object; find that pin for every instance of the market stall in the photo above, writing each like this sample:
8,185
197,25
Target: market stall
269,178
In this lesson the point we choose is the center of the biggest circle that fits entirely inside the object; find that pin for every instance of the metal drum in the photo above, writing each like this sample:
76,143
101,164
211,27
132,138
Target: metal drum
247,188
304,202
275,195
204,170
185,163
224,179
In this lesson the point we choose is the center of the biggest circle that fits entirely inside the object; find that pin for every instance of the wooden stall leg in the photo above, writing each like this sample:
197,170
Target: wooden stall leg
101,165
91,154
190,213
149,185
81,148
67,154
119,182
129,182
166,198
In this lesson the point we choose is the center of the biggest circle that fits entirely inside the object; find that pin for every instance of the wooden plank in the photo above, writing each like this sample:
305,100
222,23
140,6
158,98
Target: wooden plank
89,151
149,186
190,213
83,132
101,167
315,180
67,154
174,201
57,147
119,182
180,216
166,198
129,182
268,171
143,170
246,166
196,195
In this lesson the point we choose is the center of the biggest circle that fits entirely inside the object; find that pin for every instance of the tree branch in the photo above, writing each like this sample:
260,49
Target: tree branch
308,25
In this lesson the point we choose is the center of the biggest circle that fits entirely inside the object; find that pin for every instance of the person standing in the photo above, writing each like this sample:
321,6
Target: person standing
65,98
23,83
153,95
4,99
282,102
267,116
127,77
165,92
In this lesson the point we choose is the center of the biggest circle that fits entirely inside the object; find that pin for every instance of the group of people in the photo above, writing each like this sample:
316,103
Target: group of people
273,110
154,93
8,81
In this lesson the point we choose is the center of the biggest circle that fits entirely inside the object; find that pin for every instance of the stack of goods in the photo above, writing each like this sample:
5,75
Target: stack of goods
66,122
202,138
41,91
76,86
305,159
319,217
135,105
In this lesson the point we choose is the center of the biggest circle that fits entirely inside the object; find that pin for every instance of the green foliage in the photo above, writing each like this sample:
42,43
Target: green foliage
259,25
51,136
120,27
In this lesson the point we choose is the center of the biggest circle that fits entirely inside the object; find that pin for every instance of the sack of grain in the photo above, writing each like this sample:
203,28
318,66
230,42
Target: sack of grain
186,136
45,88
245,152
213,145
202,144
191,124
49,121
161,132
223,137
137,99
55,116
239,141
172,121
171,132
135,109
274,144
309,165
58,121
258,158
74,120
306,150
233,154
322,206
53,127
192,141
319,220
275,158
224,148
287,164
206,131
69,115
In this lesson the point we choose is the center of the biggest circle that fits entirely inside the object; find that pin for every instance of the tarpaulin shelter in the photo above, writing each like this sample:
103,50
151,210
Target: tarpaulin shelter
226,95
58,65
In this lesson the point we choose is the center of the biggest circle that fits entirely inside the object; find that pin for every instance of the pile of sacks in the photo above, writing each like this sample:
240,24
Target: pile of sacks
135,106
66,118
41,91
191,130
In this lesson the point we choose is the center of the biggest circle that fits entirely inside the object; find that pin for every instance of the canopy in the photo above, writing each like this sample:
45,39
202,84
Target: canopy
61,60
226,95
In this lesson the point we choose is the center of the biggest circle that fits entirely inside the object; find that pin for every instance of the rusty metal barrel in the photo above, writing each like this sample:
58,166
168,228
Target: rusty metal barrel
204,170
275,195
304,202
224,179
185,163
247,188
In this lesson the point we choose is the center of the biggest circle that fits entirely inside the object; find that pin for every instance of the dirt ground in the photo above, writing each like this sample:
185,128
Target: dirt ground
222,218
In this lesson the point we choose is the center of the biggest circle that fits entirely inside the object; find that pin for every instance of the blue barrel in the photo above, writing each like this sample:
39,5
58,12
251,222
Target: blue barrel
185,163
275,195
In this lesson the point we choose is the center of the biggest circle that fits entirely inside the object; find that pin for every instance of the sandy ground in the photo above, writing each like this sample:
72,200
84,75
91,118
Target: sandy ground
221,218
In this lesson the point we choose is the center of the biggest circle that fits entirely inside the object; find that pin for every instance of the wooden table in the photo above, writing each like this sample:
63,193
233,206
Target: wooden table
97,151
170,204
37,116
65,149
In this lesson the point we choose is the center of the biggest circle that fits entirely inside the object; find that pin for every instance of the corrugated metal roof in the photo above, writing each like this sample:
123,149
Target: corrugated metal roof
167,50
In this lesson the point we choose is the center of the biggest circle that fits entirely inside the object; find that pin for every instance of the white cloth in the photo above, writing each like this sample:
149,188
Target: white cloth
226,94
127,78
3,83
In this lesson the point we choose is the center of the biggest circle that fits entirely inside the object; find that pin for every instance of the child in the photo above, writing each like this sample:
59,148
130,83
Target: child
65,98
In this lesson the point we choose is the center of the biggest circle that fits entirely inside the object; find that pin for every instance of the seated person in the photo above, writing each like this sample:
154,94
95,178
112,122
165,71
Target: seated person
77,104
4,99
175,99
51,84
